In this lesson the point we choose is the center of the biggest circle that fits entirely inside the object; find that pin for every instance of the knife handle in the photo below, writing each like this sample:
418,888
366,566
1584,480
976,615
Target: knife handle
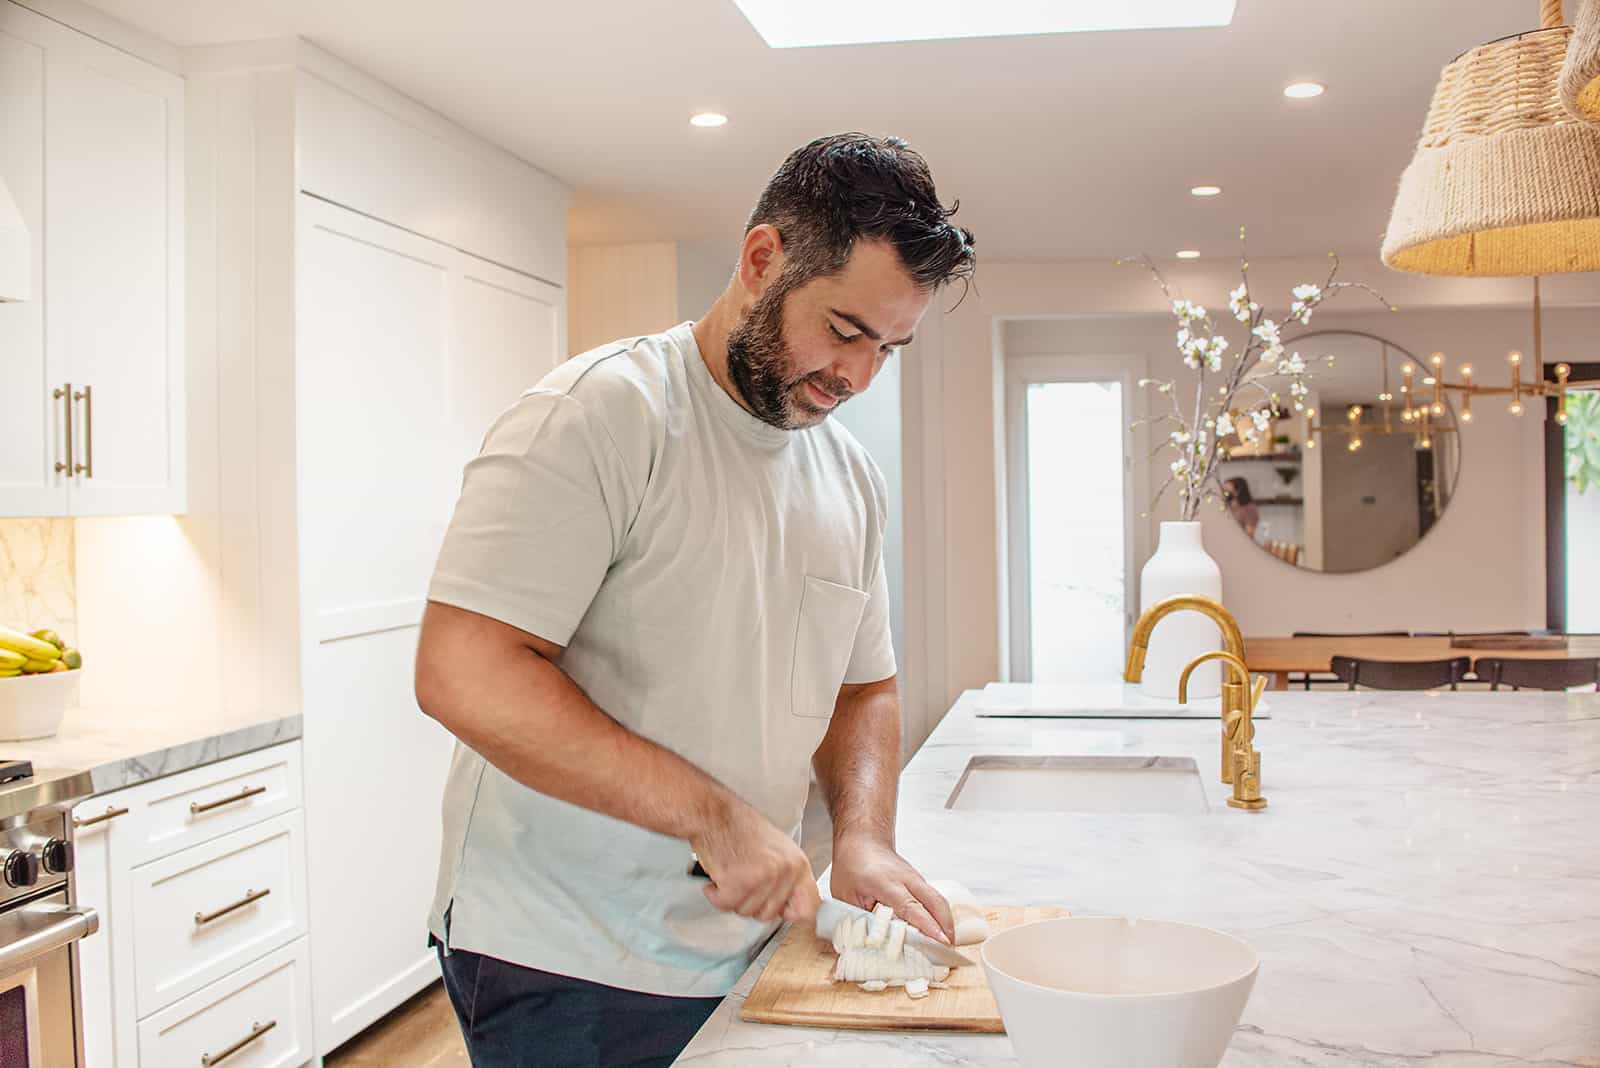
697,872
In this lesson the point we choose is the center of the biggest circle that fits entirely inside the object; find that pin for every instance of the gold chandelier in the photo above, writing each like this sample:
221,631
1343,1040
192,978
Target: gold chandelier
1422,421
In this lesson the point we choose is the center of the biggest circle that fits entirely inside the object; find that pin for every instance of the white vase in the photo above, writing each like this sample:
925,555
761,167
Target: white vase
1180,566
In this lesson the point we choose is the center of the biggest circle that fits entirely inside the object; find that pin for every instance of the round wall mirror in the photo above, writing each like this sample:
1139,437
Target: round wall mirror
1362,473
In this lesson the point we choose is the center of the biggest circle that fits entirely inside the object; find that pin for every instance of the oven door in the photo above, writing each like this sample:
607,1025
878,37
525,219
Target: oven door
38,989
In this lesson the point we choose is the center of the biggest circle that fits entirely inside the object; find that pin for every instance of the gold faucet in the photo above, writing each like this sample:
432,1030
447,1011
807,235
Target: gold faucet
1241,763
1238,701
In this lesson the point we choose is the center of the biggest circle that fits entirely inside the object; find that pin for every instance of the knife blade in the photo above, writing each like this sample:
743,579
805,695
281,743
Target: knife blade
833,911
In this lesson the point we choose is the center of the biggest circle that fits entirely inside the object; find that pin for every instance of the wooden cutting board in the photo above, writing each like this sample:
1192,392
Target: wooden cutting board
796,988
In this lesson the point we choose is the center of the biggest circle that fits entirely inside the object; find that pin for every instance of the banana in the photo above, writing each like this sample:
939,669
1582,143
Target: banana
9,673
10,661
39,667
28,646
52,637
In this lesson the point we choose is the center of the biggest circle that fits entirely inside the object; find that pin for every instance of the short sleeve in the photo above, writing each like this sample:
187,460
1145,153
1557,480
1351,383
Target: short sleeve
872,658
543,510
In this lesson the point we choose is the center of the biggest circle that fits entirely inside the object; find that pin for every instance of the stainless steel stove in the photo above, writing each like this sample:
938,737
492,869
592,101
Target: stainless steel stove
40,1011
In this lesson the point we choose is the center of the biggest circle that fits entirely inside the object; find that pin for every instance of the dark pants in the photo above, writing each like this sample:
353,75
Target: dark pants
516,1017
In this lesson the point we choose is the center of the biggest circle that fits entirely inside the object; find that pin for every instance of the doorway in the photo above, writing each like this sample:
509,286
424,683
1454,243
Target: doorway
1070,512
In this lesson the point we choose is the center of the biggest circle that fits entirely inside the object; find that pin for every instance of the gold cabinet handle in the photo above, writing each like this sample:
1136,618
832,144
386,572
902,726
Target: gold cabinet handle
86,469
250,898
195,807
256,1031
105,817
65,393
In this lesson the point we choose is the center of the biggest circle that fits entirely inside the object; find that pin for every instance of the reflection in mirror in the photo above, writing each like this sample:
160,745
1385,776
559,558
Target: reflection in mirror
1361,473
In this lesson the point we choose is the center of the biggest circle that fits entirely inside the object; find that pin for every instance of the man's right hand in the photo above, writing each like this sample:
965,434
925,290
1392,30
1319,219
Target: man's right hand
756,870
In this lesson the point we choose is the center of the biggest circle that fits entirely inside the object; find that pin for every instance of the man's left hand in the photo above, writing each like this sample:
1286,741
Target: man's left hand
867,872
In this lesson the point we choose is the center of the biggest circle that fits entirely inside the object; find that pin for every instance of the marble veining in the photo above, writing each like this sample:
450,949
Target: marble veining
120,751
1424,888
37,587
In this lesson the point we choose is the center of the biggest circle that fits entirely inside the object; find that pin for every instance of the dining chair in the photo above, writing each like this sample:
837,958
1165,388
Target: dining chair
1528,673
1309,677
1401,674
1509,633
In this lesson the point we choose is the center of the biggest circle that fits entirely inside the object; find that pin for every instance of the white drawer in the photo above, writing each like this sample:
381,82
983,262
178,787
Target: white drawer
270,999
166,815
202,913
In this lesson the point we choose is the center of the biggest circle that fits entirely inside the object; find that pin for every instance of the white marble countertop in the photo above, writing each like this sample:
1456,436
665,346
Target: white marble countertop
1423,889
119,747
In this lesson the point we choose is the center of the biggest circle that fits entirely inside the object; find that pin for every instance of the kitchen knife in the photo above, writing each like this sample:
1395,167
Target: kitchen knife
834,911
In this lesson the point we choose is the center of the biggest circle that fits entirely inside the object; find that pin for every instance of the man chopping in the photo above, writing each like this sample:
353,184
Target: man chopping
661,600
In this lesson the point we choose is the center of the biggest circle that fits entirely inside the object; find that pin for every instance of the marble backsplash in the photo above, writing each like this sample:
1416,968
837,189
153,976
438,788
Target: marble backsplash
37,581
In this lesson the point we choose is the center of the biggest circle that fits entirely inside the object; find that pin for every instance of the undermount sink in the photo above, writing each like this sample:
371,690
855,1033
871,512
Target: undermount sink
1080,784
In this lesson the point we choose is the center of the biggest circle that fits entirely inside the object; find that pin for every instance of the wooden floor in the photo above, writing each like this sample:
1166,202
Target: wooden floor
423,1033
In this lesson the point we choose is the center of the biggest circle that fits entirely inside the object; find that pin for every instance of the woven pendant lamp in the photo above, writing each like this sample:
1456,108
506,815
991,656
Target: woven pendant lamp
1580,77
1505,180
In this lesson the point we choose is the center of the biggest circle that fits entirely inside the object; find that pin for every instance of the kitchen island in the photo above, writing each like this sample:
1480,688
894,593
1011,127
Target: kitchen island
1423,889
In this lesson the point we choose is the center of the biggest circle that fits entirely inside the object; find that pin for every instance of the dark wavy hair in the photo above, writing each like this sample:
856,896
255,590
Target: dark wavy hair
844,187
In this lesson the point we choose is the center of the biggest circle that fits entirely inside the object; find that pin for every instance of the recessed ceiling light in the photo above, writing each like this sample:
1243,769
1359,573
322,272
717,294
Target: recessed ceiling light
709,118
786,24
1188,254
1205,190
1304,90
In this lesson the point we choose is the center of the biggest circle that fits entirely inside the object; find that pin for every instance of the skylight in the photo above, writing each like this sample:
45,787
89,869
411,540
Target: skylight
792,24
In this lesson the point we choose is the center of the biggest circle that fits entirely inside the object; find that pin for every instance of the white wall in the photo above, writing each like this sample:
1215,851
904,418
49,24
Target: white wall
703,273
874,418
1483,564
1484,529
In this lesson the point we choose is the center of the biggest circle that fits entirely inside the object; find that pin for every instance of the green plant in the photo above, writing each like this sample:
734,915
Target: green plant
1583,439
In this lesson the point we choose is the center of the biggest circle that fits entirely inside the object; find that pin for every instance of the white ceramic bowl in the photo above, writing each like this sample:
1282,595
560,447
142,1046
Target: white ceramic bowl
1109,992
31,706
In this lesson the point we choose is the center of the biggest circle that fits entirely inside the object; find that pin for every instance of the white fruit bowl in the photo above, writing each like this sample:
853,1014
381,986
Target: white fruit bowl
1108,992
31,706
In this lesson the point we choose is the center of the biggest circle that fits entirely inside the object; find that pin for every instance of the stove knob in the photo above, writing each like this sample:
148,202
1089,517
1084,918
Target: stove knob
22,868
58,856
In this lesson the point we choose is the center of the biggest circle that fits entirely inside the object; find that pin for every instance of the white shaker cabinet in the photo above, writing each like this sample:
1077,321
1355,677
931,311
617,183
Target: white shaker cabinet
92,418
197,878
381,286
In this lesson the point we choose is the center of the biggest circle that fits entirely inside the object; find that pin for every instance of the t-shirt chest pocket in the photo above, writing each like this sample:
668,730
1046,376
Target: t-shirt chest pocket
824,639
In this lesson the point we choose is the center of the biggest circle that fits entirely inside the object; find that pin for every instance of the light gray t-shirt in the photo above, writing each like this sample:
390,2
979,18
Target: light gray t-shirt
715,581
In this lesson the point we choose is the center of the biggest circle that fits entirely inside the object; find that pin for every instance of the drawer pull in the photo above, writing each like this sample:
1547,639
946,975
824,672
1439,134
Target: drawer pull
250,898
256,1031
104,817
195,807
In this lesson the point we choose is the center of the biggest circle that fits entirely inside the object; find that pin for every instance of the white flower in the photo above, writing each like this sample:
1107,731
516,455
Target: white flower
1188,311
1183,337
1262,419
1296,365
1181,437
1267,331
1191,359
1180,466
1305,298
1241,305
1298,389
1224,425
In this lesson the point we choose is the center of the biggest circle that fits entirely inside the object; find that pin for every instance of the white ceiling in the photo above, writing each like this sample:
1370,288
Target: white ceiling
1078,146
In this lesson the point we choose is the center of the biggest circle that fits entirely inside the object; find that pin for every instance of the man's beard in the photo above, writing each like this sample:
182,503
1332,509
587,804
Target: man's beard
761,367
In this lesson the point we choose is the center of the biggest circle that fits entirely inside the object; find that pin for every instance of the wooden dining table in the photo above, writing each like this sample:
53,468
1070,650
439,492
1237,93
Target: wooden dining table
1281,657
